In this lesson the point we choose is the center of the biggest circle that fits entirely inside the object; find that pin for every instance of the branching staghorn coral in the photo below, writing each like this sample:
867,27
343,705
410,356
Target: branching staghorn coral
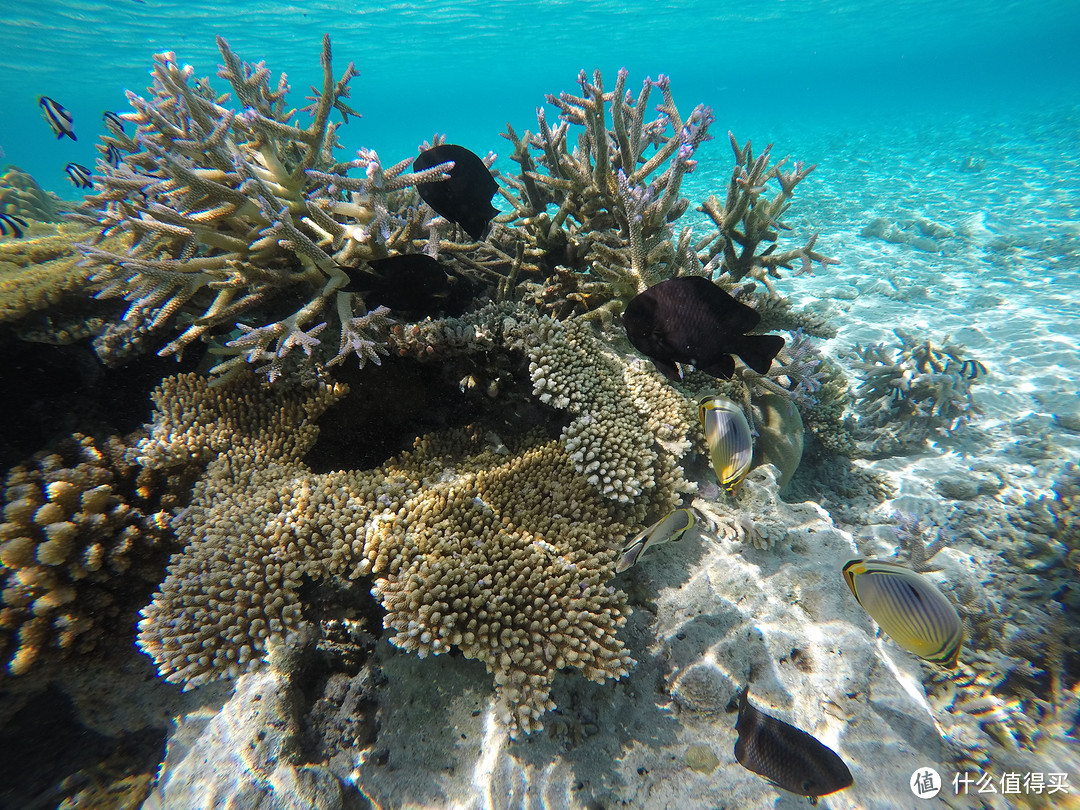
615,204
748,218
238,213
912,392
613,233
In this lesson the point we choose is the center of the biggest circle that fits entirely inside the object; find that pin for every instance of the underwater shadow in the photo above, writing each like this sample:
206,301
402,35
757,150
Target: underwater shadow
574,761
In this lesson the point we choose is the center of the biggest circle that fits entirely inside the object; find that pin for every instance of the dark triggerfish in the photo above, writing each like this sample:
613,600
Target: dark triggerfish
787,756
691,320
466,197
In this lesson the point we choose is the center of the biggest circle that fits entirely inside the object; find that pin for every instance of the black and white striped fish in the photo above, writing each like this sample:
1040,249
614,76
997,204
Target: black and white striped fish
113,122
9,222
59,119
112,155
79,175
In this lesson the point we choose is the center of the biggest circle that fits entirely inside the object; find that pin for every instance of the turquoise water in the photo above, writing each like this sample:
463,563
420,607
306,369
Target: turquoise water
466,69
963,116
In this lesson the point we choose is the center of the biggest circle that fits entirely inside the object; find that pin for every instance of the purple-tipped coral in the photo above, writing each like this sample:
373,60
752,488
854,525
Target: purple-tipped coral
235,210
614,205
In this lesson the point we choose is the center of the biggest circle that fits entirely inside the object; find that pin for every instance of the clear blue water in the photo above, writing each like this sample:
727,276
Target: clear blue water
465,69
888,98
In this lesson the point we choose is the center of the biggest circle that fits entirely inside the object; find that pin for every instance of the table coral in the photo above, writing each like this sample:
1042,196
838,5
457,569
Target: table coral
502,553
38,272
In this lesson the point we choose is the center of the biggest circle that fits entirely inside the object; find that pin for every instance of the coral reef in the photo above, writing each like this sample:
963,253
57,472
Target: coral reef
39,272
912,392
85,534
630,428
504,555
237,214
613,233
500,547
21,196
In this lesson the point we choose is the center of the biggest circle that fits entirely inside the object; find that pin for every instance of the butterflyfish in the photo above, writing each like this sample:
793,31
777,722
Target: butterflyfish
668,529
787,756
727,435
909,608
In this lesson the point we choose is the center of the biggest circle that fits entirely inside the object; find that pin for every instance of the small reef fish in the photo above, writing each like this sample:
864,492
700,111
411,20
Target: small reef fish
466,197
727,435
79,175
59,119
787,756
9,222
112,155
413,282
970,369
908,608
691,320
668,529
113,122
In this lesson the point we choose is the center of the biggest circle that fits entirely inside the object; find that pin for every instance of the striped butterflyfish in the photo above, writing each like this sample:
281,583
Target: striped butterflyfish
909,608
785,755
669,528
727,435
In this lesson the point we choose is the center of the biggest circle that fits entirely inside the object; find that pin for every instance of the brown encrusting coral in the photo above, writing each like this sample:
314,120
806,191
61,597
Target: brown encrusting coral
84,537
21,196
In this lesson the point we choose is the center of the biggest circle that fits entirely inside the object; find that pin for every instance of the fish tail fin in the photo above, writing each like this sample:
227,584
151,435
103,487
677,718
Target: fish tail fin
758,351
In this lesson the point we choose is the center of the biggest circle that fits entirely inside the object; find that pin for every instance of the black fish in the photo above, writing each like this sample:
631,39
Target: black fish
466,197
12,223
79,175
691,320
413,282
787,756
59,118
